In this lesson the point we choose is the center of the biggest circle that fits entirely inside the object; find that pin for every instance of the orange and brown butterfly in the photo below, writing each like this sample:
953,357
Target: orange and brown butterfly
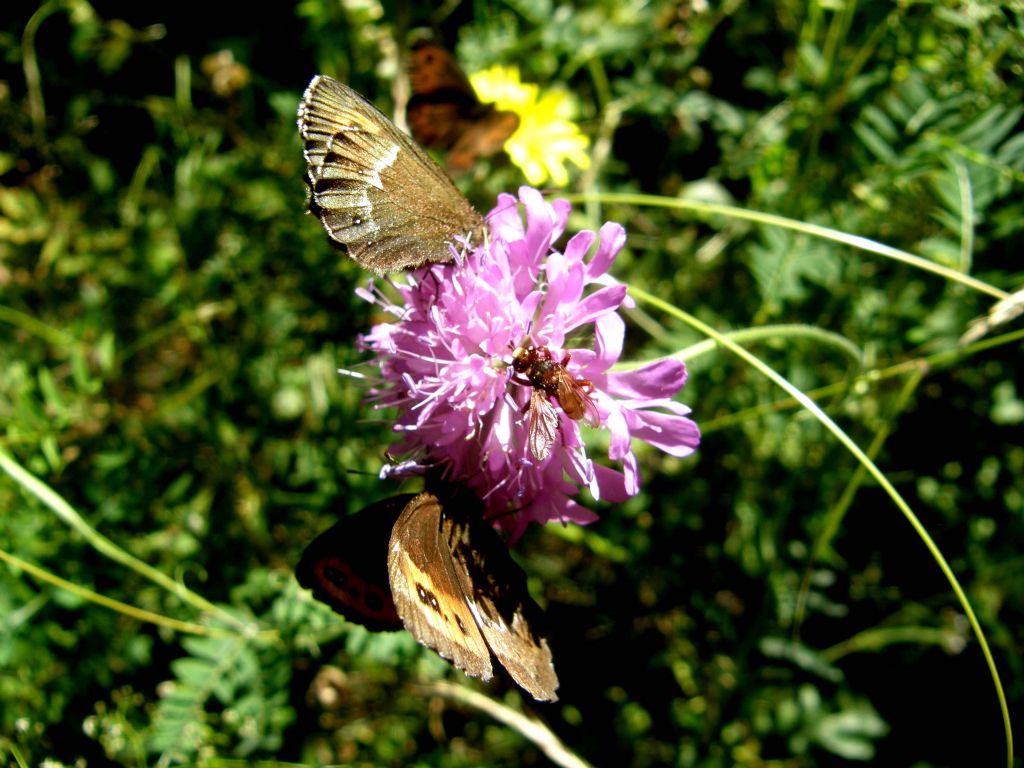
446,114
536,367
449,580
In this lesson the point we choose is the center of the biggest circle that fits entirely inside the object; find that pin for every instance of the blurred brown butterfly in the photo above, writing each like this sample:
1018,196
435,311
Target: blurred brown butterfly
449,580
445,113
376,193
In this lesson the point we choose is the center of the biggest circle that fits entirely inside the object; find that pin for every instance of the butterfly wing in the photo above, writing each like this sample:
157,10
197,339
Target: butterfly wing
436,124
486,136
495,588
443,102
345,566
445,113
433,70
375,192
427,592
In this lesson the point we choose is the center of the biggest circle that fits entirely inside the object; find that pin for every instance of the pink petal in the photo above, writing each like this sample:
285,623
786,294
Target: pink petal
613,239
675,435
662,378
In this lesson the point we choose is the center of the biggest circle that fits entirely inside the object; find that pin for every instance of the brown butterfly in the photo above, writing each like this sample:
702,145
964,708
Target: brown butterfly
537,368
452,583
377,194
445,113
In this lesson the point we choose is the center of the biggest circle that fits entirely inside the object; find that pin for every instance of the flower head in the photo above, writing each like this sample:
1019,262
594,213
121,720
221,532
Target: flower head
452,366
547,137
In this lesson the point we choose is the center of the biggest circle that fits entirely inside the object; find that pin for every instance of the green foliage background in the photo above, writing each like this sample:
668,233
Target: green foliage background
171,324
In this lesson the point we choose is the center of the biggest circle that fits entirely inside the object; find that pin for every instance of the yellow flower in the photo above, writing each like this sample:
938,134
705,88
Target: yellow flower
546,137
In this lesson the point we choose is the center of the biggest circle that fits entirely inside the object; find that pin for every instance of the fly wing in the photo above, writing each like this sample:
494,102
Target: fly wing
542,425
575,400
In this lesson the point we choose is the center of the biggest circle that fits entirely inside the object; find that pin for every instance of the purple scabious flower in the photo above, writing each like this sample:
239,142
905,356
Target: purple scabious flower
446,363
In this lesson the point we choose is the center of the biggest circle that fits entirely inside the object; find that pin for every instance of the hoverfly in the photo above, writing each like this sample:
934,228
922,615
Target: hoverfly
535,367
